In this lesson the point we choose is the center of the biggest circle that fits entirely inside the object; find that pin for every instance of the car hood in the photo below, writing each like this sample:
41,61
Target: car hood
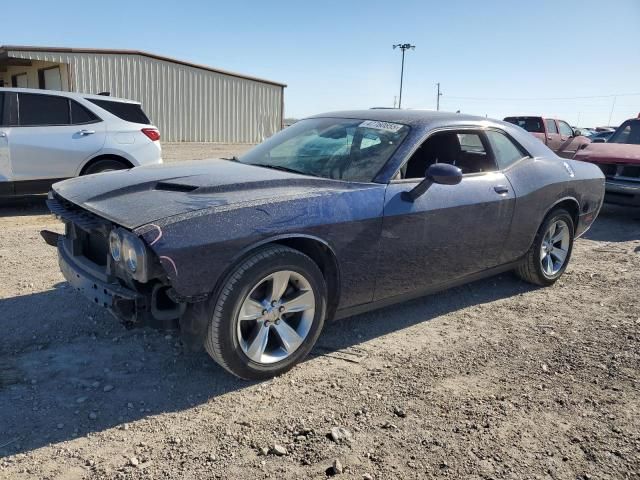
142,195
610,153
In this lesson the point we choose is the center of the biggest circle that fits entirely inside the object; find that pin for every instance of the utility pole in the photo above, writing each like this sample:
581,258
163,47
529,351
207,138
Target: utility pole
403,47
611,113
438,97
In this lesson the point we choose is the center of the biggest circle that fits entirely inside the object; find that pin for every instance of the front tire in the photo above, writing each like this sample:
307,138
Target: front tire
268,315
548,257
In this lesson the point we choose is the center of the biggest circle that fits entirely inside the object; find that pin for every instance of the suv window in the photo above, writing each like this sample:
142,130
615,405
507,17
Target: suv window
565,129
37,110
551,125
80,114
2,119
505,151
530,124
130,112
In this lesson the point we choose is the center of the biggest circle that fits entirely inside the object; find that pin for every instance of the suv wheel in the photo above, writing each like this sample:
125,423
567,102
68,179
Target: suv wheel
105,165
268,315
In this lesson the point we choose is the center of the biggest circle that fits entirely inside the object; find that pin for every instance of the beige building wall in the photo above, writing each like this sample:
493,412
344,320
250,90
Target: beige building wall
187,103
32,74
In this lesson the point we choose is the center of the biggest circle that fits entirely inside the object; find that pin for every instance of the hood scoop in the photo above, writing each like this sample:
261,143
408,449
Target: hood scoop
175,187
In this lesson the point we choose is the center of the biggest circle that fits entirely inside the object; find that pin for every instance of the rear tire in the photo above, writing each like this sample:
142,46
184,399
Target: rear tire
548,257
105,165
259,330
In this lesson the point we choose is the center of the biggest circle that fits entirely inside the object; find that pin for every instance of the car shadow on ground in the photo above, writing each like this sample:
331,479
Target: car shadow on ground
23,206
68,368
615,224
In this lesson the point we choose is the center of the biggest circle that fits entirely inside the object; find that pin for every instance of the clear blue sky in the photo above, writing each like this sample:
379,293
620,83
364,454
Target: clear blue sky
510,56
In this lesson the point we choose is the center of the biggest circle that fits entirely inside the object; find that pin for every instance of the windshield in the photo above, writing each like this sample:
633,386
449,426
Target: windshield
530,124
339,148
628,132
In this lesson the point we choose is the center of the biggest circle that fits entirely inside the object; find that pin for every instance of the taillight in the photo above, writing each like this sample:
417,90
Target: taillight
152,133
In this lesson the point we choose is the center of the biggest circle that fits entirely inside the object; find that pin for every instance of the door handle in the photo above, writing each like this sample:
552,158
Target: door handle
3,135
84,133
501,189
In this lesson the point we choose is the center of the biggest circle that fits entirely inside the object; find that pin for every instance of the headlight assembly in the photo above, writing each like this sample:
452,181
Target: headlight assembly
130,252
115,245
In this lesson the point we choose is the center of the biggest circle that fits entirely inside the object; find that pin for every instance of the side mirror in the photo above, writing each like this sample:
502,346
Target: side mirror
598,140
441,173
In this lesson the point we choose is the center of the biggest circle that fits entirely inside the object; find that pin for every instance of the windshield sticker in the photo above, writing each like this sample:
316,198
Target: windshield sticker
390,127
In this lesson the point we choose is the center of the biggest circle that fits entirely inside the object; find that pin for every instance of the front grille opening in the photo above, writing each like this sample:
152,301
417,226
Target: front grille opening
608,170
95,247
630,171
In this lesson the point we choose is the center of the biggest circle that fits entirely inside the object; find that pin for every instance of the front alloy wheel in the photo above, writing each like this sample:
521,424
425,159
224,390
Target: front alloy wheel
276,317
268,314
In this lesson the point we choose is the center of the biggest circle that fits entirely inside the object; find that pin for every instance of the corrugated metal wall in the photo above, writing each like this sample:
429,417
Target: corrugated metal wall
187,104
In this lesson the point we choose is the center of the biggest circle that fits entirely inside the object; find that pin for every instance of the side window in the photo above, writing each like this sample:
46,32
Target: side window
551,125
464,149
565,129
8,109
41,110
505,151
80,114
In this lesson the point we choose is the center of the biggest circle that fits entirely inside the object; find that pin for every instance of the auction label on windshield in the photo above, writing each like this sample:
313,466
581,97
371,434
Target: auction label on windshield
391,127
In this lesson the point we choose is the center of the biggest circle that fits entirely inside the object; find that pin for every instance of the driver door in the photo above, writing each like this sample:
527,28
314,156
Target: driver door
449,232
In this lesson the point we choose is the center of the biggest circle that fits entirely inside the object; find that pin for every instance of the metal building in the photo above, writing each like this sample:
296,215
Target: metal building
186,101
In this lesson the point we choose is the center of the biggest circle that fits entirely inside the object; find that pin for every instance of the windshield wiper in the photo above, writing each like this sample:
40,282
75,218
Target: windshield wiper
284,169
233,159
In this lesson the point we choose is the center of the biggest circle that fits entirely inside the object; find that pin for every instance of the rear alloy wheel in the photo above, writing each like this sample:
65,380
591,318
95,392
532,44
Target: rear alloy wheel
549,255
268,315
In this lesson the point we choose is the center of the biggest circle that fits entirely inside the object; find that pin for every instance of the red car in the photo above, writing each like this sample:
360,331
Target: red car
555,134
619,160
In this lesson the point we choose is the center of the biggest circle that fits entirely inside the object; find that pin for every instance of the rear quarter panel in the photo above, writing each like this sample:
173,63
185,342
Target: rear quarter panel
540,184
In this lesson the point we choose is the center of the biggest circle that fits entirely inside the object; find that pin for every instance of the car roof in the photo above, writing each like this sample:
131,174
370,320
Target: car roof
413,118
74,95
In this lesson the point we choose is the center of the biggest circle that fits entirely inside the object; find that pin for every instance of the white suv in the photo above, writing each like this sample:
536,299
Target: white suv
46,136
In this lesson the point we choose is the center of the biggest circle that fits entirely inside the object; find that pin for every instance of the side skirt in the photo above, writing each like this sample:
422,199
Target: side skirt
385,302
27,187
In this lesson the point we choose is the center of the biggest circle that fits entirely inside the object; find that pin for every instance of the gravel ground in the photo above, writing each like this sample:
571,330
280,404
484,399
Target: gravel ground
496,379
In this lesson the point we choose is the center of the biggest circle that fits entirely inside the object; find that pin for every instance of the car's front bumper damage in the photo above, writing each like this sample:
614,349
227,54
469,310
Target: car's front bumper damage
128,305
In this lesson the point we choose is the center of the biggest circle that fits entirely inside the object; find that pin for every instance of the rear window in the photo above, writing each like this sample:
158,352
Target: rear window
530,124
130,112
628,132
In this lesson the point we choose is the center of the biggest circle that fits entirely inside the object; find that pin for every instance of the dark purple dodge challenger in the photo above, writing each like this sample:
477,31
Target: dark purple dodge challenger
338,214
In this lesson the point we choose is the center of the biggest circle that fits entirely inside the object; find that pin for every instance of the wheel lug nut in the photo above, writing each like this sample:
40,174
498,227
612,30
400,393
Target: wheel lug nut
273,304
278,322
264,312
281,309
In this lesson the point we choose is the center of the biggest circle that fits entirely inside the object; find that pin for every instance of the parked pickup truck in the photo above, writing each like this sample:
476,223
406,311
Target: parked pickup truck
556,134
619,160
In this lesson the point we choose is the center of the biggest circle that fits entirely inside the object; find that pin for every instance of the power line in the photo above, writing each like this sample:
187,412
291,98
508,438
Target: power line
545,98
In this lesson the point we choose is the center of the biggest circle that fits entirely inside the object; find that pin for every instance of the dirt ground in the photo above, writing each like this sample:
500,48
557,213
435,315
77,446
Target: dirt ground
496,379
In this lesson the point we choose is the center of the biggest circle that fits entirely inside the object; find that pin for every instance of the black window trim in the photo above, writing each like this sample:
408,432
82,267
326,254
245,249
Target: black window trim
68,99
